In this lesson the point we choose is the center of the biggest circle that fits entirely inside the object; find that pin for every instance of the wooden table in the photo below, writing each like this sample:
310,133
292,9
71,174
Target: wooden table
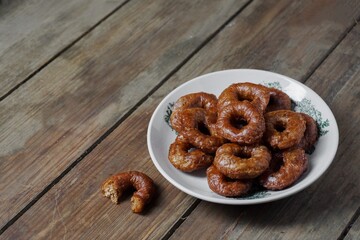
81,79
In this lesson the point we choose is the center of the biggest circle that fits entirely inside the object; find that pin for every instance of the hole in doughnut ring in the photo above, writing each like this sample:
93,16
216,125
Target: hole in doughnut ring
243,155
272,101
227,179
242,97
277,161
238,122
201,126
280,126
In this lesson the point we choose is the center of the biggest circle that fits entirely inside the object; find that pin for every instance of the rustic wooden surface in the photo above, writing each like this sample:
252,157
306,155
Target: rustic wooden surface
79,112
354,232
86,92
33,33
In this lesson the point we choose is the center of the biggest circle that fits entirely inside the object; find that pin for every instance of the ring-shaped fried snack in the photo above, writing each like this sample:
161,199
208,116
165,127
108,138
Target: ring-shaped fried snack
241,122
242,162
185,157
221,185
293,163
116,185
203,100
257,94
311,134
284,129
198,131
278,100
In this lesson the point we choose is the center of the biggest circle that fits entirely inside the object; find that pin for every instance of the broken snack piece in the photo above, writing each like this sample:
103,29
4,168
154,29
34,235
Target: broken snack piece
114,187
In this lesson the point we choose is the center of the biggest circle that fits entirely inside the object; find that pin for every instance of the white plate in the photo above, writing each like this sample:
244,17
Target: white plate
160,135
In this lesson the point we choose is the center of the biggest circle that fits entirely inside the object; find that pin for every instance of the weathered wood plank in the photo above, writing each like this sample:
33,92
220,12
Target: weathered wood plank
79,210
323,210
354,232
33,32
76,203
51,120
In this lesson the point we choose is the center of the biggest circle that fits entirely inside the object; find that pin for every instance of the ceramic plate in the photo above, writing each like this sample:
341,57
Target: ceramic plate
160,135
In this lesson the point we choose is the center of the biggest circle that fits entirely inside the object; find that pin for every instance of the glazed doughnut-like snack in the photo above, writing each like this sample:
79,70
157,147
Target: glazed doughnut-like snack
311,134
278,100
242,162
291,163
198,131
185,157
203,100
284,129
226,187
241,122
257,94
248,136
115,185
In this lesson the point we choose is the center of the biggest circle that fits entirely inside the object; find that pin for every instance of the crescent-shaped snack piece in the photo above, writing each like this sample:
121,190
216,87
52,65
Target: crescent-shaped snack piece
114,187
285,169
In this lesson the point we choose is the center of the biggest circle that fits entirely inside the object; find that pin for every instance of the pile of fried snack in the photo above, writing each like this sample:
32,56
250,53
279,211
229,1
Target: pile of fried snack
247,137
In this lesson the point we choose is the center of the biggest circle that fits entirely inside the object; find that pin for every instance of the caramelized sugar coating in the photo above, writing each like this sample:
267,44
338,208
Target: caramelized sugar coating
116,185
242,162
278,100
284,129
221,185
241,122
248,116
257,94
197,129
185,157
203,100
286,168
311,134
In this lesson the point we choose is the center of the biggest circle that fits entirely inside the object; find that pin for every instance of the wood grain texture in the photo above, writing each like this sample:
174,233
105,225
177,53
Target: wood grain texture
54,118
79,211
323,210
32,32
354,232
302,30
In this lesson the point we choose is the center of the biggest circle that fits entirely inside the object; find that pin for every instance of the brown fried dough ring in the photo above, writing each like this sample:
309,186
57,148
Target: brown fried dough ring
242,162
284,129
221,185
115,185
311,134
198,131
251,127
203,100
278,100
185,157
176,120
257,94
294,165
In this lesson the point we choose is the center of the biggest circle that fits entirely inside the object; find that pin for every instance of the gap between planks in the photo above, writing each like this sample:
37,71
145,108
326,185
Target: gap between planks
350,224
117,123
181,219
56,55
341,38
